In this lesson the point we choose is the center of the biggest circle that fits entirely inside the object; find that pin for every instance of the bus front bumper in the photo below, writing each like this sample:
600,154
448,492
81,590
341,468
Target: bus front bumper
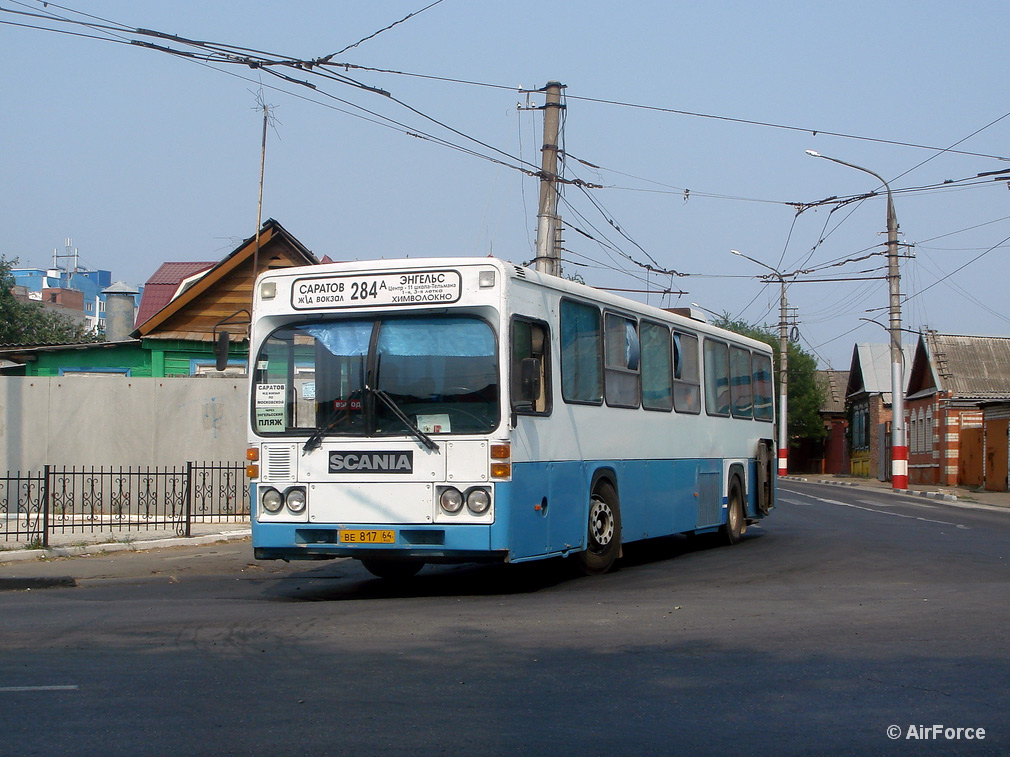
431,543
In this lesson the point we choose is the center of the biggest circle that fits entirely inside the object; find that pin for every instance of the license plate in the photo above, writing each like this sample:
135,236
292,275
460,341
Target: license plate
367,536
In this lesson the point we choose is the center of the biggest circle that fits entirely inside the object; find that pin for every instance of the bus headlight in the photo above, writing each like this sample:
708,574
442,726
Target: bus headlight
272,501
451,500
295,498
478,501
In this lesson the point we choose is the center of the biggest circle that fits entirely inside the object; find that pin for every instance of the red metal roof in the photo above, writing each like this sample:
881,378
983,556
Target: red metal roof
161,287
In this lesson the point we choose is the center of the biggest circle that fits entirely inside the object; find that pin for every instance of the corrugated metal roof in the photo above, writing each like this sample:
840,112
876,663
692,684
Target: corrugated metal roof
872,362
970,366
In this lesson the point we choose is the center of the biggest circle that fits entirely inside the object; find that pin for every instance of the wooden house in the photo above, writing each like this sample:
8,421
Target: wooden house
868,398
176,338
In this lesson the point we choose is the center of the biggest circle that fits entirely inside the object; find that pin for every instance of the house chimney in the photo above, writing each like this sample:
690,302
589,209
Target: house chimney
120,310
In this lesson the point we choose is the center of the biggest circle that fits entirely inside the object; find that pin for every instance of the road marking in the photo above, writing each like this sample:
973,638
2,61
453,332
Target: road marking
882,512
876,504
13,689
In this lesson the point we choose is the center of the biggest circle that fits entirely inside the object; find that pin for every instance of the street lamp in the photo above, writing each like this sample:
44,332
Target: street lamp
783,366
899,445
710,312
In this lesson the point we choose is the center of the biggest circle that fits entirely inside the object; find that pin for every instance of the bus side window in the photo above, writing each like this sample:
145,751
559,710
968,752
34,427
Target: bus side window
764,409
623,355
581,353
741,391
657,367
686,382
530,367
717,386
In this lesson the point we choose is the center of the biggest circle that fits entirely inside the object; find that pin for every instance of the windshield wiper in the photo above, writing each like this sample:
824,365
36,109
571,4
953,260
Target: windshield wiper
422,437
316,439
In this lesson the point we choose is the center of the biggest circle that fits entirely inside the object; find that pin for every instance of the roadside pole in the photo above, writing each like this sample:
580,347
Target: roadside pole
548,258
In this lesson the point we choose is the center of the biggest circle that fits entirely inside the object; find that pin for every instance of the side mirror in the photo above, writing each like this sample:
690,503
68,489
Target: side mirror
221,350
529,380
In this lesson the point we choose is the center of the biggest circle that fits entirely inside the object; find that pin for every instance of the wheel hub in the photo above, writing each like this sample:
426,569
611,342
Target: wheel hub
601,522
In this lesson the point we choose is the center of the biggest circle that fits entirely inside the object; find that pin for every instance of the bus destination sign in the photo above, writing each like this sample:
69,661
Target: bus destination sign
370,290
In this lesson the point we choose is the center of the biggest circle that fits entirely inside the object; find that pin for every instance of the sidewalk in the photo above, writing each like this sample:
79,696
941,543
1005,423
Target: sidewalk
82,544
953,494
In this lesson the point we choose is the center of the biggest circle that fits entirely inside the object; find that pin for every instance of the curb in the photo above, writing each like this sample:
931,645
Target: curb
935,495
135,546
908,492
30,583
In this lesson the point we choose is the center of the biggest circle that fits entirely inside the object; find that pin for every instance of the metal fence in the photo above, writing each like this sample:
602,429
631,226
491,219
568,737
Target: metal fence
59,500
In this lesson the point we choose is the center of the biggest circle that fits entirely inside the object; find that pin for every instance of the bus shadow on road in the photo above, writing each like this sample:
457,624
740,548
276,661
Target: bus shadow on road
665,548
348,580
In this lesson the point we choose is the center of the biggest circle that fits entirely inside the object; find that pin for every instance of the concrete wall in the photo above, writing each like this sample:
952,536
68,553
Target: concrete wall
117,420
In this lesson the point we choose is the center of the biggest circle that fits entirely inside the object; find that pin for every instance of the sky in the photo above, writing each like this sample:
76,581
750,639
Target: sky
691,120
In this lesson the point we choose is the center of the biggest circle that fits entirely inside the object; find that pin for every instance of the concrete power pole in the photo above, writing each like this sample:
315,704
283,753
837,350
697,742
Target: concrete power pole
548,258
783,466
783,410
899,439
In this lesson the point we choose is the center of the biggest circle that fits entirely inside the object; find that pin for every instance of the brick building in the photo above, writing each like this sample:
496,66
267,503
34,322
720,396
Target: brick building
835,457
950,380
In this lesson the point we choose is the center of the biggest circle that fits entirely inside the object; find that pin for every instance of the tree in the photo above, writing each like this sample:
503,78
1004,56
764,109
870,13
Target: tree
805,395
30,323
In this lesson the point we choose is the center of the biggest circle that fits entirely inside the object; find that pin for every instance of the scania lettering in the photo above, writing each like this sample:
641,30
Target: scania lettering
354,462
406,412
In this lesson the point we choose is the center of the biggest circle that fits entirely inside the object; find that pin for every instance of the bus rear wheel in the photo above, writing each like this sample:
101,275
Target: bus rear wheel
736,520
603,537
392,569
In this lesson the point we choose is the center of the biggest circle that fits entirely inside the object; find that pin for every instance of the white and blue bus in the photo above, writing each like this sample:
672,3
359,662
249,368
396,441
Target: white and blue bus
406,412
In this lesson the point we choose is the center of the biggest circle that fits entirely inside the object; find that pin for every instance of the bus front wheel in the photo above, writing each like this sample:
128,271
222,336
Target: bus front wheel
392,569
736,520
603,537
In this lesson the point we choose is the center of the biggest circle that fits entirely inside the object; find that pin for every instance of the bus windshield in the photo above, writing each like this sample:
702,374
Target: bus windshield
318,377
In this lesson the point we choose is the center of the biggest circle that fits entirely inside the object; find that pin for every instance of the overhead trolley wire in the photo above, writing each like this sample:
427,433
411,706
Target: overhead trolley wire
385,29
805,129
216,53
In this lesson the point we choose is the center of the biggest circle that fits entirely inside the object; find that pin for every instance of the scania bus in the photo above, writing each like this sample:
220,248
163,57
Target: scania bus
416,411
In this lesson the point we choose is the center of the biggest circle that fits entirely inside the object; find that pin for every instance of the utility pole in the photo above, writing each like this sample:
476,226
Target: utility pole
259,203
548,258
783,381
899,440
783,466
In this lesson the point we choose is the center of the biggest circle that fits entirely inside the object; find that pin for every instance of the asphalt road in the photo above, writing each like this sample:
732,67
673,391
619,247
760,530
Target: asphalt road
847,612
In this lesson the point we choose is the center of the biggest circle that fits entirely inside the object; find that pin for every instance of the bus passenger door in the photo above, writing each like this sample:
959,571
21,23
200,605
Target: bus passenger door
530,395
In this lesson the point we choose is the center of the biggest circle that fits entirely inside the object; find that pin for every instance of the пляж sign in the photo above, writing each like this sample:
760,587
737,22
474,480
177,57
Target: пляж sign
270,407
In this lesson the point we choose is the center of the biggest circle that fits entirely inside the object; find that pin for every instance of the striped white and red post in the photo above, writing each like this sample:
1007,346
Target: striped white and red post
899,467
899,440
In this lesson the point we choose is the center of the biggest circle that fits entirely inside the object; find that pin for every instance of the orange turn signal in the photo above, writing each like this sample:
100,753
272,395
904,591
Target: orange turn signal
501,470
253,453
252,471
501,451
